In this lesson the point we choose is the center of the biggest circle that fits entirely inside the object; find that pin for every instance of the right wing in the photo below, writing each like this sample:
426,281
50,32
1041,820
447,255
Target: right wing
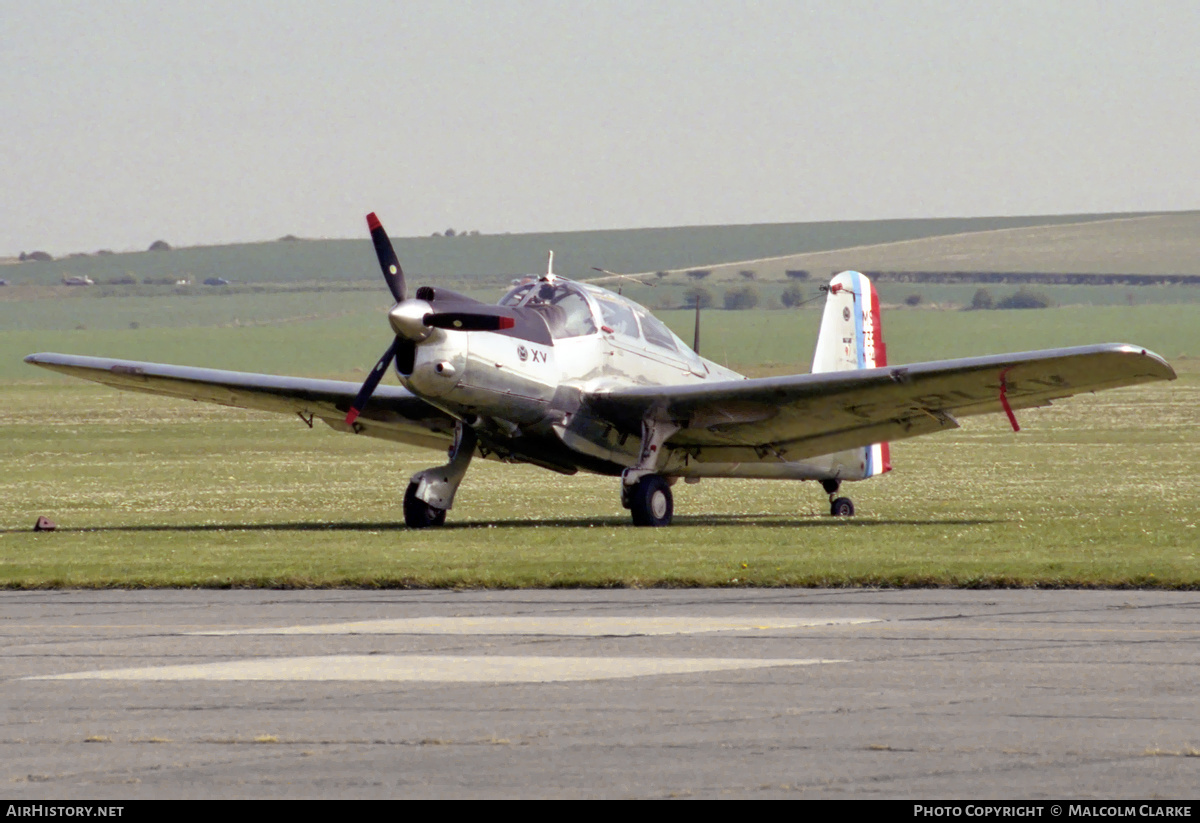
779,419
394,413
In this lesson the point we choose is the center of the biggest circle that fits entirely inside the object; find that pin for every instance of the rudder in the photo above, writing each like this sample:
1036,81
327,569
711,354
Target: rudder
851,337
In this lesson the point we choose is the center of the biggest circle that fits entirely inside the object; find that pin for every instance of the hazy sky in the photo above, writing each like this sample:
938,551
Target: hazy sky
125,122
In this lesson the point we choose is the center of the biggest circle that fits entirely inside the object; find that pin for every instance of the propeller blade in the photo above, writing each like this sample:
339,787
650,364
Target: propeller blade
696,338
468,321
368,387
388,262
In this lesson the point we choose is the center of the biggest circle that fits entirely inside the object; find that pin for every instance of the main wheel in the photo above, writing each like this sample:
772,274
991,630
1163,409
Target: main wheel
418,514
650,502
842,507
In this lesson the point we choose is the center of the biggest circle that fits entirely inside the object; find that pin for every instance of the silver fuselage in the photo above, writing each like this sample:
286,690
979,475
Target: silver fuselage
526,400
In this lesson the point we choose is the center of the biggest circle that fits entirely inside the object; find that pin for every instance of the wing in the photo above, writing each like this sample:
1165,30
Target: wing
801,417
394,413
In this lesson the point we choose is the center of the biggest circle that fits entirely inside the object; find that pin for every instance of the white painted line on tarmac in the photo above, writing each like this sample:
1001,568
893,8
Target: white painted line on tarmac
437,668
566,626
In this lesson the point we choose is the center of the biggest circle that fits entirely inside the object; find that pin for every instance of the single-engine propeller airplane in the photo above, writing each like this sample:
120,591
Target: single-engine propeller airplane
570,376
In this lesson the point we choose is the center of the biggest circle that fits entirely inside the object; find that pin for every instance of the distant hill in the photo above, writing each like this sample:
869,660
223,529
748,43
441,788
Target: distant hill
1159,244
1146,241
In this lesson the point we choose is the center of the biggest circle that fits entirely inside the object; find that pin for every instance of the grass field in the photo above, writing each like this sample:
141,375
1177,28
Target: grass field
341,334
1100,490
148,492
1097,491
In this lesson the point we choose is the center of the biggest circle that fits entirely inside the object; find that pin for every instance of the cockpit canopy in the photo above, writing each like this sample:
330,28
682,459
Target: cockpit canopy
560,302
577,309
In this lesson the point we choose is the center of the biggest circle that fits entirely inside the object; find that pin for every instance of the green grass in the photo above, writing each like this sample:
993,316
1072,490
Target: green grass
782,341
350,330
81,309
1119,296
1097,491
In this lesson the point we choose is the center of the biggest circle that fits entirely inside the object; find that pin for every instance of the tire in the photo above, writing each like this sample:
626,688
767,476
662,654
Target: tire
842,507
418,514
651,502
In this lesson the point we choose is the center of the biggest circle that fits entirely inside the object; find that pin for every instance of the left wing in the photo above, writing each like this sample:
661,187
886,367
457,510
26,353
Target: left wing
394,413
796,418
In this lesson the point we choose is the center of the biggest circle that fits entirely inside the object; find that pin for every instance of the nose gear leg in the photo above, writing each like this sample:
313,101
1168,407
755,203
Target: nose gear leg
431,492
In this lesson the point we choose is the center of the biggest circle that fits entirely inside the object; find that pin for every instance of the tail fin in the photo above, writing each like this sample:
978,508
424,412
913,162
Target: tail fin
851,337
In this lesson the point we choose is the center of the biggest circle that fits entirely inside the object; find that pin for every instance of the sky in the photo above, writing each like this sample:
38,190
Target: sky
128,121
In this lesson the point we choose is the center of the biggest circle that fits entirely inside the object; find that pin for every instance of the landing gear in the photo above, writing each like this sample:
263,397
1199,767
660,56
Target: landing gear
838,506
418,514
645,493
841,507
651,502
431,492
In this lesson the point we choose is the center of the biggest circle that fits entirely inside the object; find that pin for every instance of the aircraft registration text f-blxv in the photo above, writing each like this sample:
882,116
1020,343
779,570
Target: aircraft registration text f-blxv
570,376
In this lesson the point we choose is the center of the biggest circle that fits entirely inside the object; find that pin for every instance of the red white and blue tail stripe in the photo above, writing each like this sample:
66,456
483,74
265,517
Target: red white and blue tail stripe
851,337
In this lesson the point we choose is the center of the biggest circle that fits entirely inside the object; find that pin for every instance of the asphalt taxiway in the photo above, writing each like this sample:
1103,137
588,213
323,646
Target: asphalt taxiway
850,693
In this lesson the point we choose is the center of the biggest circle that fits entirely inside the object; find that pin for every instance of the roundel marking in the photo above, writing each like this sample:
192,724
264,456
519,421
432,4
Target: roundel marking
522,353
846,313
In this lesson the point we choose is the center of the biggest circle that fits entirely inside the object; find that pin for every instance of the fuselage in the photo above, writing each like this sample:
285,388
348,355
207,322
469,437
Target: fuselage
522,389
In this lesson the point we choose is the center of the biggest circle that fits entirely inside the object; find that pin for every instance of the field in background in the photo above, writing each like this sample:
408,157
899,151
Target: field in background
1066,243
1098,490
346,341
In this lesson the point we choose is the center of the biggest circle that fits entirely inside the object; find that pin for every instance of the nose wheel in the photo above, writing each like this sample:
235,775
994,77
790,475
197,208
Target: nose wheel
418,514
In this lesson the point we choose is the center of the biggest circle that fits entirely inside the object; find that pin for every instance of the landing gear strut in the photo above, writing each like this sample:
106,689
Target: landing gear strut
838,506
431,492
645,493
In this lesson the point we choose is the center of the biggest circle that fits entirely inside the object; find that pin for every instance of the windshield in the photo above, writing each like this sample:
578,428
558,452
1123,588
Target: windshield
562,304
624,316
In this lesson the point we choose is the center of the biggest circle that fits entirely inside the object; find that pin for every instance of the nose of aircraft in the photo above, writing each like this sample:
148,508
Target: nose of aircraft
408,319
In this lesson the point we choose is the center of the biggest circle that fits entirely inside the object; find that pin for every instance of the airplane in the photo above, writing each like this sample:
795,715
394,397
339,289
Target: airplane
570,376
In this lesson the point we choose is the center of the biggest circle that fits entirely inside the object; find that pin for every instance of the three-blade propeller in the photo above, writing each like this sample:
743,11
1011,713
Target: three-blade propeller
412,319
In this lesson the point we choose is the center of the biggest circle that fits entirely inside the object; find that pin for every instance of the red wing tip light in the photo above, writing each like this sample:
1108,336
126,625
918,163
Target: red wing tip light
373,221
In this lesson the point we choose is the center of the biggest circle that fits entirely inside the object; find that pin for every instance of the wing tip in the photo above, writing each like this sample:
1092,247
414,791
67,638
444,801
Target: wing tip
40,358
1166,372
